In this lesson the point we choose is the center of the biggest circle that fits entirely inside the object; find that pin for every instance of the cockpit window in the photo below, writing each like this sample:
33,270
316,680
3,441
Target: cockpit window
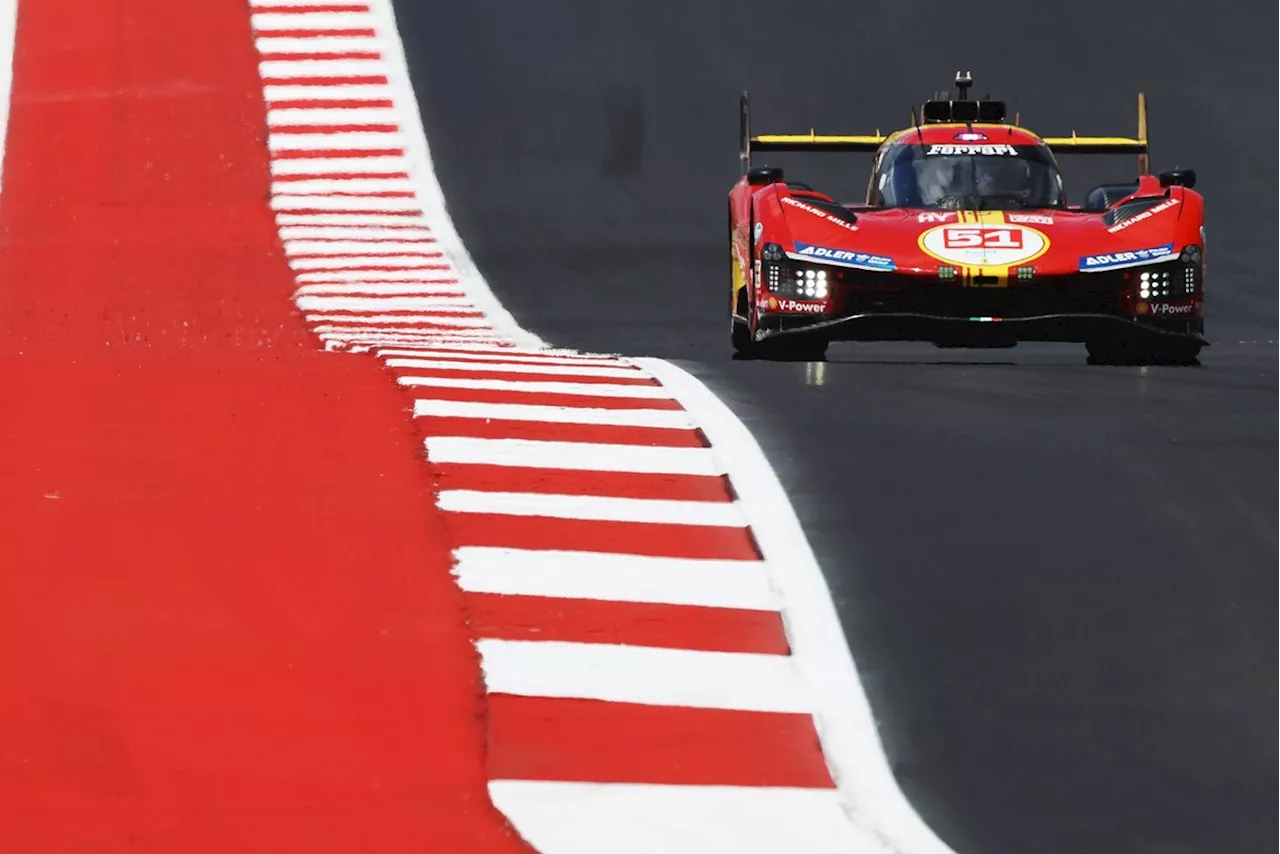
971,177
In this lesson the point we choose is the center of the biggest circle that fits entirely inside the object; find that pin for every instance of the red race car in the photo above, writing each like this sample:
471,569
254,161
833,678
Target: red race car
966,239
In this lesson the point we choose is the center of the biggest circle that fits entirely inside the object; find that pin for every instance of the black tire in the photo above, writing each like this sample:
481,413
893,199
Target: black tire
784,349
1176,351
744,344
740,330
794,350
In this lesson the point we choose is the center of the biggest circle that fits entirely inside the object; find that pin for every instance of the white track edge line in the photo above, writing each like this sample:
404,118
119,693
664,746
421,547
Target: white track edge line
8,37
842,714
430,194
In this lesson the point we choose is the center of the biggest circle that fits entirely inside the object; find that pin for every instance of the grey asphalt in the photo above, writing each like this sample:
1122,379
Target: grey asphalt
1059,581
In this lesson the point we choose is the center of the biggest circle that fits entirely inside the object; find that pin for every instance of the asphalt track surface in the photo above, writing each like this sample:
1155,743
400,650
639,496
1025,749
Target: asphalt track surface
1059,581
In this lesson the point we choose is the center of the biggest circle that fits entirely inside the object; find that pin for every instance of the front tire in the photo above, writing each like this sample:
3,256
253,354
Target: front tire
1121,351
784,349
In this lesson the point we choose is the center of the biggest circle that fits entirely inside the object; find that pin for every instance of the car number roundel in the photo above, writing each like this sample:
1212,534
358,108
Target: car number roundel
993,245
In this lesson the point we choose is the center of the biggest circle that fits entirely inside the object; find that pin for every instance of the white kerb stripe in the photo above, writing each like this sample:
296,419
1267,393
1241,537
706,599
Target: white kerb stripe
264,22
347,262
439,278
517,358
300,233
338,165
413,334
332,116
401,337
259,4
387,303
648,675
389,246
345,92
319,44
647,392
662,418
644,818
512,349
514,368
441,319
337,204
592,508
385,288
358,140
321,186
616,577
577,456
303,67
326,218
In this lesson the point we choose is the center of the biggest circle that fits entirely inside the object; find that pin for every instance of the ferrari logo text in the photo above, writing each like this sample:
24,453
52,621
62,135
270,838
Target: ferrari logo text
1008,150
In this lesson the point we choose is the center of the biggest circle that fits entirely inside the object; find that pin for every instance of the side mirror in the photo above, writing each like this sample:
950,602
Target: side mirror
1178,178
757,175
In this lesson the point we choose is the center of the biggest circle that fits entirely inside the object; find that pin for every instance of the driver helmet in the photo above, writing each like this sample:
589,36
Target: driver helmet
1005,176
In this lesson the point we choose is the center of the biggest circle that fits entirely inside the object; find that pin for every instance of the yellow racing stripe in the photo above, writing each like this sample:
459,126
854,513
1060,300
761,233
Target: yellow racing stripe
968,272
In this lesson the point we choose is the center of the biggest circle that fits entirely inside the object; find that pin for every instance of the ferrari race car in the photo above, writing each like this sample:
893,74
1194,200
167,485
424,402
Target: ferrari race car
966,239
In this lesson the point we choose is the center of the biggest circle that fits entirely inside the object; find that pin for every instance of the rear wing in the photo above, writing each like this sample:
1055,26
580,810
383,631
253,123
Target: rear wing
794,142
939,111
1109,144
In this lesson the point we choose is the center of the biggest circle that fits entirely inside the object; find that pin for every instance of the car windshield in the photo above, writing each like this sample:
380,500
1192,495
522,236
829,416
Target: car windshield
971,177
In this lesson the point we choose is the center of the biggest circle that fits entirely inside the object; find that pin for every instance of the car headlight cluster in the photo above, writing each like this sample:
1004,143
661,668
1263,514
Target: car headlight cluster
1154,284
1174,280
796,282
1193,269
812,284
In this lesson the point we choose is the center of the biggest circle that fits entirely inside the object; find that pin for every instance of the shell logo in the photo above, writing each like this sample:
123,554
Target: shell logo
986,245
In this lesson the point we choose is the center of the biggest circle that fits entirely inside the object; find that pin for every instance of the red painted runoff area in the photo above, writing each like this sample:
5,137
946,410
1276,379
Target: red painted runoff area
226,617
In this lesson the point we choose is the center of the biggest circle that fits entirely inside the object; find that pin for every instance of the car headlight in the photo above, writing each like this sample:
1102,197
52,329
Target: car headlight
1192,259
796,281
1173,280
1155,284
772,252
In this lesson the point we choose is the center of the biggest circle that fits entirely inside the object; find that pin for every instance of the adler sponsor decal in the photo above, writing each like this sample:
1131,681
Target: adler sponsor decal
982,150
1029,219
843,257
1132,258
819,212
1147,214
